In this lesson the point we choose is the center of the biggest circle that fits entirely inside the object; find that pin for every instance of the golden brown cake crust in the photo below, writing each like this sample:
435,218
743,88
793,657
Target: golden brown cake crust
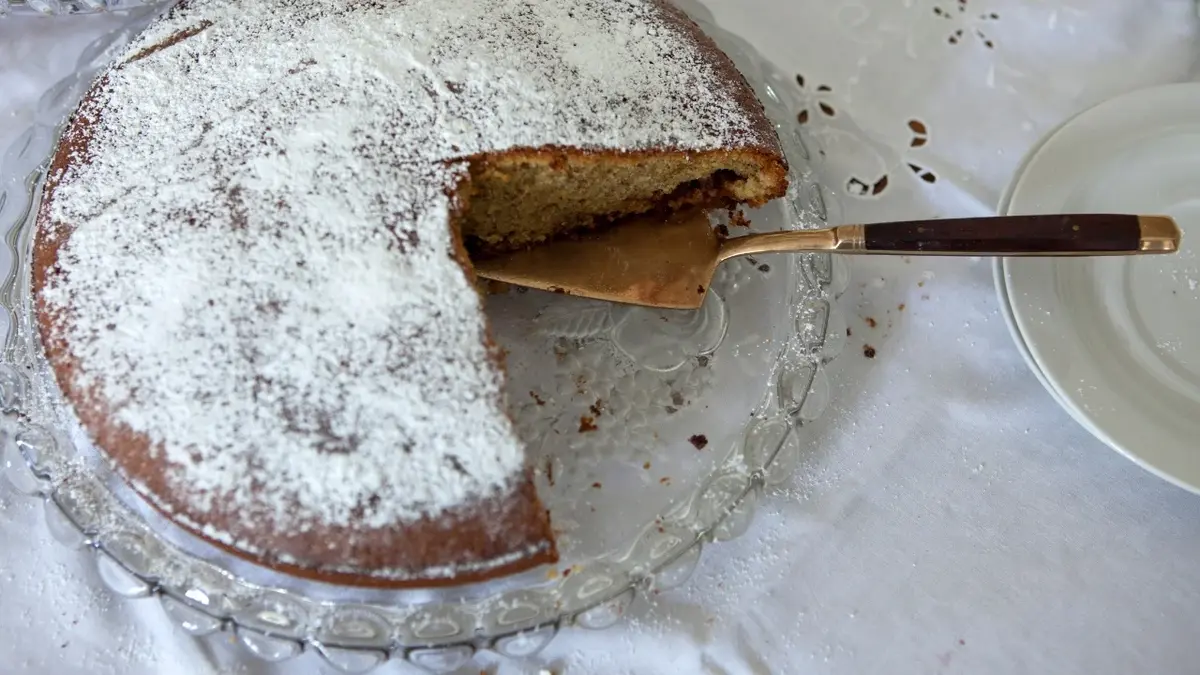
505,533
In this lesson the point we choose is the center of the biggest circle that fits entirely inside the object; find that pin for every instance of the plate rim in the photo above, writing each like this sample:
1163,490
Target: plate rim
998,264
1003,208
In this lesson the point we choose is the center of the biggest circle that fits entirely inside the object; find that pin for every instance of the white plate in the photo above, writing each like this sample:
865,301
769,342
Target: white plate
1003,208
1010,320
1117,340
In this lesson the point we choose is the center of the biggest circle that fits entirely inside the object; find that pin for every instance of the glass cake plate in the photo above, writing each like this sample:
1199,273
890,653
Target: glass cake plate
51,8
641,458
60,7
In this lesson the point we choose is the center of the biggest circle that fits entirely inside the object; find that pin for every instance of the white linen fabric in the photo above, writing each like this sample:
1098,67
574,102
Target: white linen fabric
949,516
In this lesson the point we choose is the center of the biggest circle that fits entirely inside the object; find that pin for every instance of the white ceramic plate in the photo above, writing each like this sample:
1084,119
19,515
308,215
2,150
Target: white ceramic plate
1006,309
1003,208
1117,340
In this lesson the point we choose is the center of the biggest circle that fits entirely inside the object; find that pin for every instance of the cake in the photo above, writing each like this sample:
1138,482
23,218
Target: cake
251,265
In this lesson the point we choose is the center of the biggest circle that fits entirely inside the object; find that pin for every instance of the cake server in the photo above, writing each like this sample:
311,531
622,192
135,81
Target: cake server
671,264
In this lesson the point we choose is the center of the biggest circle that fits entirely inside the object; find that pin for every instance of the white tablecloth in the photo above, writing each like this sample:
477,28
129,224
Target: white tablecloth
950,517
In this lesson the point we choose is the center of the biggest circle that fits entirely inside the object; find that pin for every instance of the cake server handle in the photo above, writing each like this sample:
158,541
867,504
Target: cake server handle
1049,235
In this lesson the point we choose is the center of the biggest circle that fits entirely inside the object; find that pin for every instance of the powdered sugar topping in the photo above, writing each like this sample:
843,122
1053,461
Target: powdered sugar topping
261,277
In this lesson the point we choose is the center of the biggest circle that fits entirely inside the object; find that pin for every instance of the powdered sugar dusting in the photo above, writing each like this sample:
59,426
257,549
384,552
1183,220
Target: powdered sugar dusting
260,278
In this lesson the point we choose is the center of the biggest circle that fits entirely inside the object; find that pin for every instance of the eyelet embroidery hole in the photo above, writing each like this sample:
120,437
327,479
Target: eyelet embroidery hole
923,173
920,138
972,24
860,188
920,133
818,99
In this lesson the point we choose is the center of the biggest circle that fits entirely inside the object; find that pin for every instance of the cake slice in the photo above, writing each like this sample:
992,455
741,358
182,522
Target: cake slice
251,268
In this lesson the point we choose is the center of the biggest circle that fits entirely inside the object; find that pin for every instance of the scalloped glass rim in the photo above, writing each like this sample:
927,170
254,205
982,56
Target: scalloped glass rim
63,7
439,632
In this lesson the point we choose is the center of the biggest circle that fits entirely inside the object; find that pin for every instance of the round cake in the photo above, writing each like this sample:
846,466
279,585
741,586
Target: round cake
251,268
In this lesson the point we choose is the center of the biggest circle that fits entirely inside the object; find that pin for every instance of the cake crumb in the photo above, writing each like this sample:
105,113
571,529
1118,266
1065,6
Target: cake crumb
597,485
764,268
901,307
537,399
665,480
597,408
849,333
646,466
868,351
587,424
738,219
871,322
699,441
723,231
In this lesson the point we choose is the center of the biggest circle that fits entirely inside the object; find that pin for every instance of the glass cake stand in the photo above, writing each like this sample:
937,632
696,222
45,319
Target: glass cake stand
60,7
640,458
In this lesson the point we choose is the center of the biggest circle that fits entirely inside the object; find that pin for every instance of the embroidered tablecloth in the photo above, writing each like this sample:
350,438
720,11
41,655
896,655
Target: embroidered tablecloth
949,516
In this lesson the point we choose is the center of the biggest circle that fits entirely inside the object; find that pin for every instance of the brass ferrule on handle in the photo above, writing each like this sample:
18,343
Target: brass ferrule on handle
844,238
850,238
1160,234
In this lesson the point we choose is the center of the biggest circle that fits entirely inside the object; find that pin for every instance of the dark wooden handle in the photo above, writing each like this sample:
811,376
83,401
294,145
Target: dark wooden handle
1067,234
